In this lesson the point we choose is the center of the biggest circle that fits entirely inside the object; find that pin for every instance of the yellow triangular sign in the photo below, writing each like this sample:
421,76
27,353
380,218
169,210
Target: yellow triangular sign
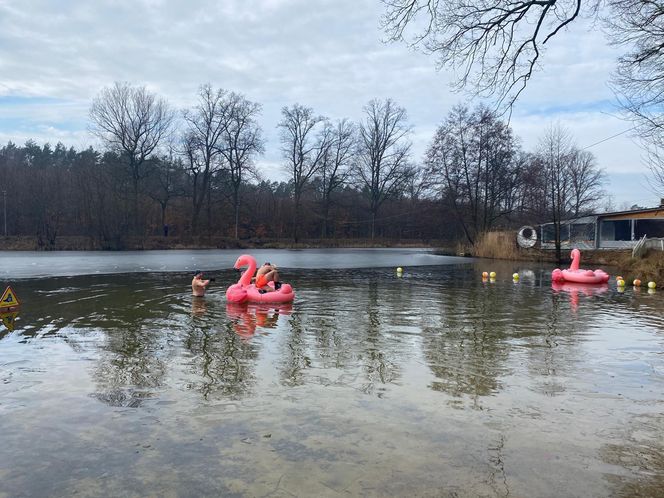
8,319
9,299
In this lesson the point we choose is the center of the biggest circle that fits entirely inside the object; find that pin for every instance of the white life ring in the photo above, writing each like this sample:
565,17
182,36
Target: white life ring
526,237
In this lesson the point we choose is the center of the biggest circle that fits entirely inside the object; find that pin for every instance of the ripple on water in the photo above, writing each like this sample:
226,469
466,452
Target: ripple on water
494,388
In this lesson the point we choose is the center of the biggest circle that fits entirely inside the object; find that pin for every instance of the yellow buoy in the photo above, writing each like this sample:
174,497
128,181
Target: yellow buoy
652,285
399,270
515,276
620,283
492,274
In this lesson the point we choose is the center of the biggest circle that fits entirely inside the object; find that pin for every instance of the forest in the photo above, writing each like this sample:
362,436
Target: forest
188,175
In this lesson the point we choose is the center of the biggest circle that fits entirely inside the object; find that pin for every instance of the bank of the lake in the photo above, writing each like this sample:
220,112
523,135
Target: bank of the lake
502,245
77,243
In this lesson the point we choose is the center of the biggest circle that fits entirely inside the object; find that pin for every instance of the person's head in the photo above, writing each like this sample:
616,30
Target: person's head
198,274
267,263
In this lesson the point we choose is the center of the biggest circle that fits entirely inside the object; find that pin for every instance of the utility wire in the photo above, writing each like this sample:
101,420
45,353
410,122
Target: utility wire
609,138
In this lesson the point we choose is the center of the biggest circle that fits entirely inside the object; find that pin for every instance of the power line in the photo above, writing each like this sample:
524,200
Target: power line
609,138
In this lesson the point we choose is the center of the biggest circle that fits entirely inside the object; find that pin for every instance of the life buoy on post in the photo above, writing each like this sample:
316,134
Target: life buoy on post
526,237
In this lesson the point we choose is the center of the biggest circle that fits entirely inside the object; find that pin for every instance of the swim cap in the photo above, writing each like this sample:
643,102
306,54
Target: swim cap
196,272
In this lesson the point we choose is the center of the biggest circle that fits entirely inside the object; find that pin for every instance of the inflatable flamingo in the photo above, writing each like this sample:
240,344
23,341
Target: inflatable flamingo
237,293
574,274
244,290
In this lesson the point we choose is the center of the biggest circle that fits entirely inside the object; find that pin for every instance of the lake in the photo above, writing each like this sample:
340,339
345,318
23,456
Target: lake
116,382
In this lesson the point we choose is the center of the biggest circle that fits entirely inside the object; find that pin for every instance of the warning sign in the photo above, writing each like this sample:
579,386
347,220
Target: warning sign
8,319
9,299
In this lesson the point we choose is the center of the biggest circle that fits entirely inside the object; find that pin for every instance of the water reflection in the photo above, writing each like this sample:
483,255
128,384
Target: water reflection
198,306
8,319
248,317
489,389
575,289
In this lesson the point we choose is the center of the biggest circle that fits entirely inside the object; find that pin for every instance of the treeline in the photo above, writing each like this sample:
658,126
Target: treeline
193,173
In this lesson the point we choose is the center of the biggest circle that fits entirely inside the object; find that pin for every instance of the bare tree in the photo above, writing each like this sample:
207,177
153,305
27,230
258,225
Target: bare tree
132,122
494,44
555,151
335,166
240,142
205,125
383,165
305,140
572,179
586,182
639,79
168,182
474,157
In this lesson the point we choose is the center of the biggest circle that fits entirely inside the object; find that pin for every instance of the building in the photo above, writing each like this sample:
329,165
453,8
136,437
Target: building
617,230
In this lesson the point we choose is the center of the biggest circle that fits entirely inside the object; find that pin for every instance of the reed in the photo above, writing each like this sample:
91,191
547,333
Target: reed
496,245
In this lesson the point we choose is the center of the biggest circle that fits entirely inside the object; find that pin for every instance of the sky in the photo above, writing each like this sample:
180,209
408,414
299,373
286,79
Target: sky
56,55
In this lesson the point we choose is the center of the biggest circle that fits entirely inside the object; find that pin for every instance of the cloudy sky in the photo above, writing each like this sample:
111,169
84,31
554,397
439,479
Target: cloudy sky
55,56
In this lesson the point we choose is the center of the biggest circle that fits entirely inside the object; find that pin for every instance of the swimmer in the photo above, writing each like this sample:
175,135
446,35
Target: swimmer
267,273
198,284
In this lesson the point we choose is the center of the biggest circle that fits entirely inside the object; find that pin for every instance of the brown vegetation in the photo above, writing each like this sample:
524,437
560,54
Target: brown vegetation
502,245
75,243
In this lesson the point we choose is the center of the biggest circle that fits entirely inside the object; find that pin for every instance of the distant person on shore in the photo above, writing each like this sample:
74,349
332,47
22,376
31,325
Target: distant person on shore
267,273
199,284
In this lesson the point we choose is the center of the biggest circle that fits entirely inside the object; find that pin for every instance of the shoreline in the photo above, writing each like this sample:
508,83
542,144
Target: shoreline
77,243
650,267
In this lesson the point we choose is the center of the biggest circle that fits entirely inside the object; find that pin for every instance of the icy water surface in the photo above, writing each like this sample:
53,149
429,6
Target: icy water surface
434,384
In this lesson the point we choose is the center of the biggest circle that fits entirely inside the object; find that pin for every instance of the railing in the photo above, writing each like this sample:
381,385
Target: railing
640,248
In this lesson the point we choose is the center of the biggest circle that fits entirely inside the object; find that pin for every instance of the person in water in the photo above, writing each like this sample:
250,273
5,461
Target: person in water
267,273
199,284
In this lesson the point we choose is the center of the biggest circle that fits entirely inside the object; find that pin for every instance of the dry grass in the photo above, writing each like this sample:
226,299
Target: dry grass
497,245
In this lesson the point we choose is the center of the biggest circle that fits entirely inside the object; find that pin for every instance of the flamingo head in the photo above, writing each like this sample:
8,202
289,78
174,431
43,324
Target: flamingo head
575,254
250,263
244,260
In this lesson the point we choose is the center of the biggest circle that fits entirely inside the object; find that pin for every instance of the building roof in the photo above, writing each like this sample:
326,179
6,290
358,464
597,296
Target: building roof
644,213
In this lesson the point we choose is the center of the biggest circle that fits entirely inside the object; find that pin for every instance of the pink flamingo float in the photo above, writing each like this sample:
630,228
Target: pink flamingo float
574,274
244,290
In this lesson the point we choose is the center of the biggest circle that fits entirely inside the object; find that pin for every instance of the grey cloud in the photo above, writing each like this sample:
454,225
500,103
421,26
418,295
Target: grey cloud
326,54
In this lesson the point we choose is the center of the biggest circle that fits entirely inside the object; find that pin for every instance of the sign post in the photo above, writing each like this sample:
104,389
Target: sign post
8,299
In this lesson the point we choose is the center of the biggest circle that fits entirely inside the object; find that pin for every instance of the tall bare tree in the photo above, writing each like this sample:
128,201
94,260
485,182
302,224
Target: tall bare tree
168,182
305,140
206,123
572,179
382,165
335,166
586,182
132,122
474,157
555,151
240,142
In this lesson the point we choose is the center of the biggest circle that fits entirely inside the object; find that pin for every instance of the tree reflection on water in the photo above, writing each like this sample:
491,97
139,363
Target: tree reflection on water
494,378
